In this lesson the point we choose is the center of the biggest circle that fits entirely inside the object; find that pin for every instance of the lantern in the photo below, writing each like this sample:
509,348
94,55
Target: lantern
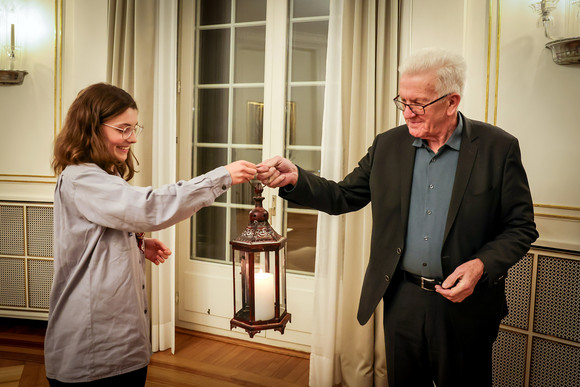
259,271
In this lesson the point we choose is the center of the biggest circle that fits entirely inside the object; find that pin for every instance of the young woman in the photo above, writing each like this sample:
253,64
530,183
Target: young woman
98,325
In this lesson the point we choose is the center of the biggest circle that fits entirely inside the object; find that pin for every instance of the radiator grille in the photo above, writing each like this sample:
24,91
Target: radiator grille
518,293
12,282
39,231
26,266
40,274
554,364
557,307
11,230
509,359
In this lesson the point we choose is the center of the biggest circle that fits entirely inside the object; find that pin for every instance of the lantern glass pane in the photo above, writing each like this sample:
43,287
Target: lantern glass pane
240,285
282,279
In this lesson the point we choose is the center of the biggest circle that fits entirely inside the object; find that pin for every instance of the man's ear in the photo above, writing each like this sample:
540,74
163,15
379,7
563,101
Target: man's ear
453,103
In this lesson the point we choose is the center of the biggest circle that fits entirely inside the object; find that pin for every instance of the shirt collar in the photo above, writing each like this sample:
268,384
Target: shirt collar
453,142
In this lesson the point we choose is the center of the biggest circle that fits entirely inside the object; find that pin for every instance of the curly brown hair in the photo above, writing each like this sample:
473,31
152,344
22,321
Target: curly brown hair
81,138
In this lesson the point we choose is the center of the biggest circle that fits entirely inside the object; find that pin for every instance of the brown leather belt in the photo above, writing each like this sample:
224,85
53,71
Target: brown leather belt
423,282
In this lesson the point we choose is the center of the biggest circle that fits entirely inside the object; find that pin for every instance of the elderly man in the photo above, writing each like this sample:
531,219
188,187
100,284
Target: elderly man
452,212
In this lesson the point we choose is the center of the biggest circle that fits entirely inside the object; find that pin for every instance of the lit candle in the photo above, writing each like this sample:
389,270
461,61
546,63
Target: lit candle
12,37
264,296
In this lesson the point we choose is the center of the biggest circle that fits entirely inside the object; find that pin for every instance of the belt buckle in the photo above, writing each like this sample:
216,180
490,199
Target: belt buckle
429,281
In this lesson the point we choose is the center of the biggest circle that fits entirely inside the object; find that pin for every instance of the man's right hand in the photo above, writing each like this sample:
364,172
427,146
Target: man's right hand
277,172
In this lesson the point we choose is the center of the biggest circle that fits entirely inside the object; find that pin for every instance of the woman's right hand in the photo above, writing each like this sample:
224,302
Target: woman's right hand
241,171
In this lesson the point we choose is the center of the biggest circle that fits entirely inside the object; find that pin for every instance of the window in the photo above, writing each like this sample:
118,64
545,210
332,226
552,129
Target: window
228,97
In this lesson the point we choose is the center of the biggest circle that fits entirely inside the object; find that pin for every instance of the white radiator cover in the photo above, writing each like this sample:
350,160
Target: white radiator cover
26,263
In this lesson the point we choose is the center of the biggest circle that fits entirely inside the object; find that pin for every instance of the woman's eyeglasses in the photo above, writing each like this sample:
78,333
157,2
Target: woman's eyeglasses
127,131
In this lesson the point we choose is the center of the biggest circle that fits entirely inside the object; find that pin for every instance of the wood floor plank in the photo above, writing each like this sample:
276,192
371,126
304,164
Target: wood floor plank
34,374
200,360
177,378
230,357
10,374
243,377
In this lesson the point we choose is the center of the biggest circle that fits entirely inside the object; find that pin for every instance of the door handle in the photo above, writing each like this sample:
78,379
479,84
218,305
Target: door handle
272,209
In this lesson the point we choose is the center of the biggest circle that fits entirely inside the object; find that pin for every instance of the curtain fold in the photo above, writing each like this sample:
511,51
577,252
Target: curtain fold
363,41
325,350
146,68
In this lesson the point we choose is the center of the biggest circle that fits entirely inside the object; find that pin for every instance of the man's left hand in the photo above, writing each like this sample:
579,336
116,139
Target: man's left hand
461,283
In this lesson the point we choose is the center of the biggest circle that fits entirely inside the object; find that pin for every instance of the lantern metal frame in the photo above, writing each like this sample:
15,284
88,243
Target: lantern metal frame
259,239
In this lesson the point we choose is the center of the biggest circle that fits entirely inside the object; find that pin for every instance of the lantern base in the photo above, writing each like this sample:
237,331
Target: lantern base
253,328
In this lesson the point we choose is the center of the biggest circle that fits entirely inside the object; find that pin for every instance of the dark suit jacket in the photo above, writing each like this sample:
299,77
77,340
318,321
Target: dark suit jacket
490,214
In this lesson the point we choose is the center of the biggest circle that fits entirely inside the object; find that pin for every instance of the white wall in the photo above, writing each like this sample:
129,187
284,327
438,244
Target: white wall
28,111
515,85
85,46
59,67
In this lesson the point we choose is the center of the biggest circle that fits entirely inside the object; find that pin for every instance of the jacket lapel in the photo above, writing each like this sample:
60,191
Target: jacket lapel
407,163
465,163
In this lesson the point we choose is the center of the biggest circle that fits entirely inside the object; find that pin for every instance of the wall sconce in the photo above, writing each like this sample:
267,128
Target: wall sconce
564,50
10,75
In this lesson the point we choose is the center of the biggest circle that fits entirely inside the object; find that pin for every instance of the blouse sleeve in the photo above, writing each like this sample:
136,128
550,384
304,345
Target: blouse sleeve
110,201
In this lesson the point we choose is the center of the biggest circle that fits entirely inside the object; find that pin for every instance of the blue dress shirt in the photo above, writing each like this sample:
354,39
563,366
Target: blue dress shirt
433,178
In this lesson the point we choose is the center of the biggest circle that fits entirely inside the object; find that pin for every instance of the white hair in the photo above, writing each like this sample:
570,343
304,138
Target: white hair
449,68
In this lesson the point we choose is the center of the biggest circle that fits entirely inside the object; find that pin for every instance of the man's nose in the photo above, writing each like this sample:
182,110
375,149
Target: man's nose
408,112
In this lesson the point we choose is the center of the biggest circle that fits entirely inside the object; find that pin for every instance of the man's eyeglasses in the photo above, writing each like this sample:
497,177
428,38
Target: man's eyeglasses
415,108
127,131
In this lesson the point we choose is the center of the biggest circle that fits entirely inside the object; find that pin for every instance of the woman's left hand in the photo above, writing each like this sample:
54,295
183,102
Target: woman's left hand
156,251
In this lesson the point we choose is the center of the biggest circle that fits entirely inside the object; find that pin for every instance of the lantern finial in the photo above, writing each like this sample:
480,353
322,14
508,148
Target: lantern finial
259,213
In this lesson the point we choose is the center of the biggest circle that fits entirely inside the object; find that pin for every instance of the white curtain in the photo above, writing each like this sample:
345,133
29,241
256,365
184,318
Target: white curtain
360,77
143,60
325,351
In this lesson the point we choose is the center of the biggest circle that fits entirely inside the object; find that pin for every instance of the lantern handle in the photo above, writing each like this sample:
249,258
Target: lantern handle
257,186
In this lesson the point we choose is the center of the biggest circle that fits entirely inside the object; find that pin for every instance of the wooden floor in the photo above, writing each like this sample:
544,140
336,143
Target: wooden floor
199,360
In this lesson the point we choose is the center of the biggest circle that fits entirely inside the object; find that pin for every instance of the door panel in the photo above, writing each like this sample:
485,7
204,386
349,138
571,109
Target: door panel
238,83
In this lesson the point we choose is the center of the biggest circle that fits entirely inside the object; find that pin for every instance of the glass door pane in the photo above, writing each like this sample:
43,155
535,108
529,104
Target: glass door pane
229,99
308,37
229,112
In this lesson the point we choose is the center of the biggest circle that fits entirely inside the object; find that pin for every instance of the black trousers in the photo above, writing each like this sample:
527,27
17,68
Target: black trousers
431,339
130,379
